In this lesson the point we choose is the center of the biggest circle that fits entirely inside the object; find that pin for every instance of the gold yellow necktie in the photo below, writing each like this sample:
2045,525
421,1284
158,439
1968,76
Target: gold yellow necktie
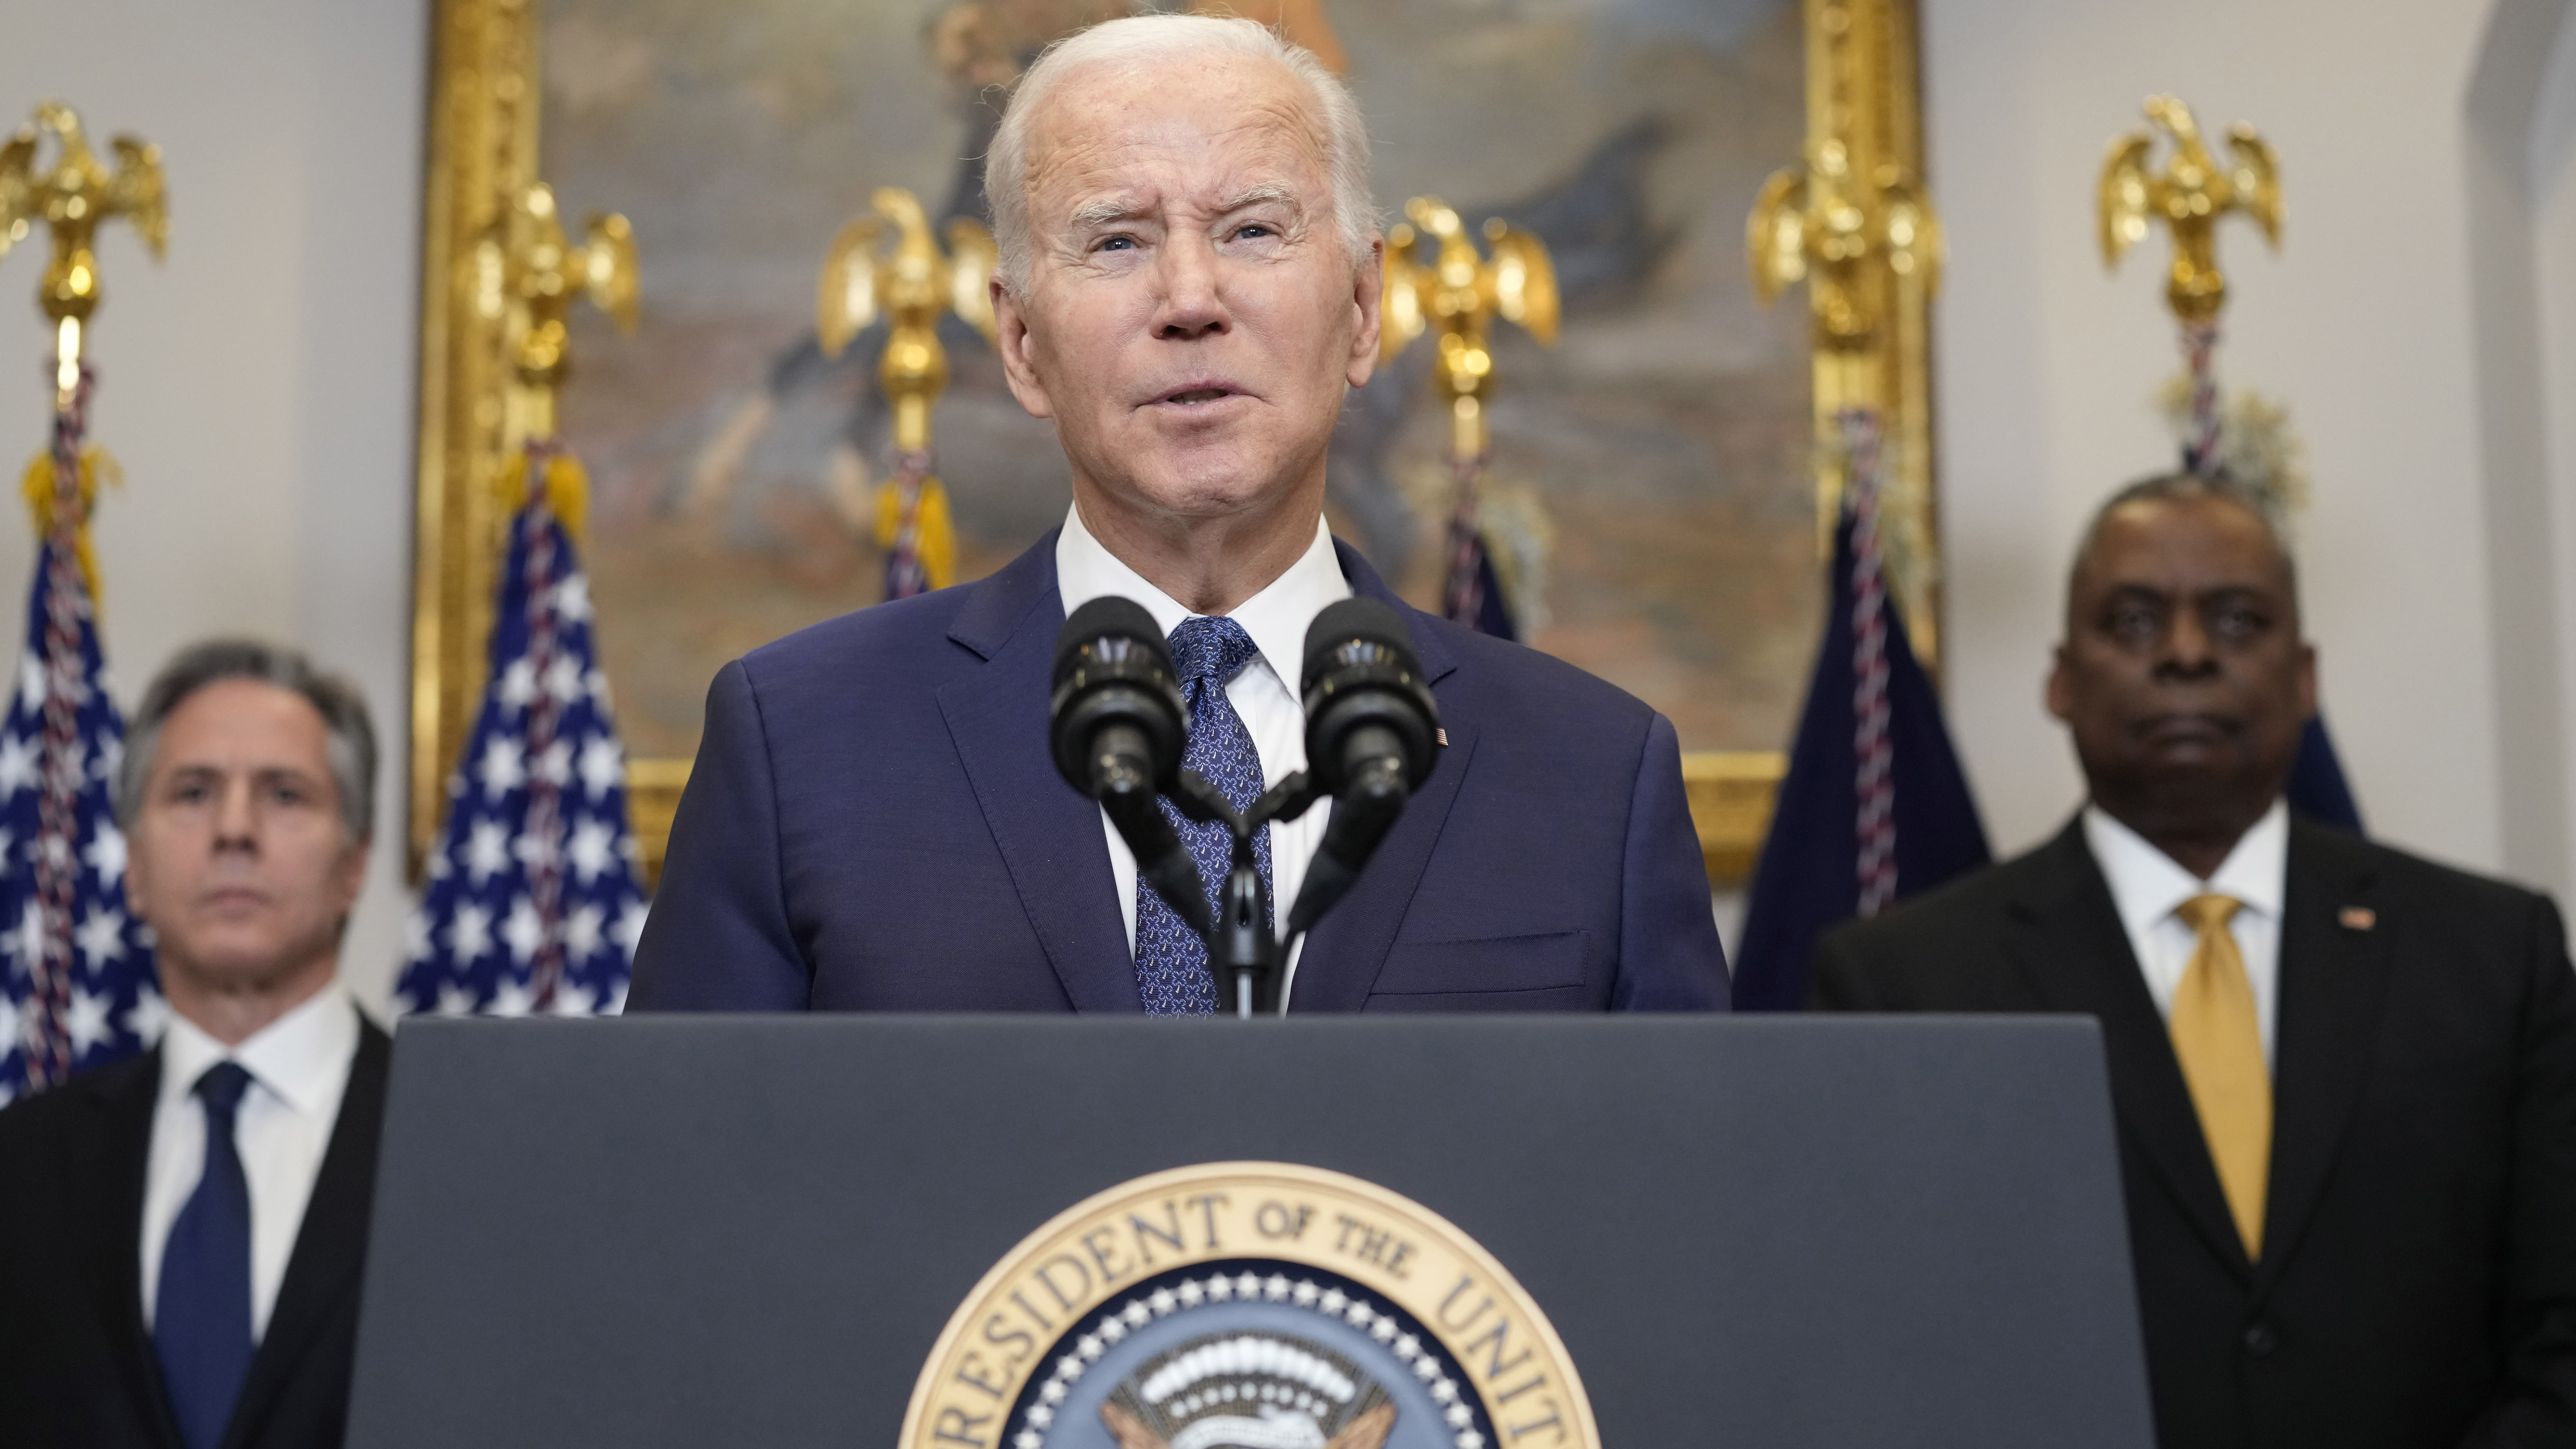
2220,1045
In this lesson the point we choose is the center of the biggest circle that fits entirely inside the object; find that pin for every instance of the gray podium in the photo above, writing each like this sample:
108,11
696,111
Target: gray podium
691,1231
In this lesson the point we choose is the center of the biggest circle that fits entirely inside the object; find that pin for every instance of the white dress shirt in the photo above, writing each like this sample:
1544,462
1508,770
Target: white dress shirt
1265,694
2148,887
299,1069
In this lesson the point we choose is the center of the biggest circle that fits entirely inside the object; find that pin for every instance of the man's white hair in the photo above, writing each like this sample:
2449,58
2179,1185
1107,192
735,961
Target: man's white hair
1137,42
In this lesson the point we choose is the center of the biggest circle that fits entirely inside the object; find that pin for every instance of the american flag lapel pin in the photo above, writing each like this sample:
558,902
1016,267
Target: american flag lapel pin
2358,918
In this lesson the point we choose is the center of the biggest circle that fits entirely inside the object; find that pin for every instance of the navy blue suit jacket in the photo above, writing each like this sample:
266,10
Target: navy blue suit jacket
874,824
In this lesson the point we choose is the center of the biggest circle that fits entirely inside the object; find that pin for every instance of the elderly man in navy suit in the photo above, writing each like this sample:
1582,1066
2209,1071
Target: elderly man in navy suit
1188,285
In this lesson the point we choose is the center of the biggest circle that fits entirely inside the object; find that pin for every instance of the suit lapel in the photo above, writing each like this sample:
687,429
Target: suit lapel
1343,954
115,1172
1050,837
330,1244
2333,979
2075,954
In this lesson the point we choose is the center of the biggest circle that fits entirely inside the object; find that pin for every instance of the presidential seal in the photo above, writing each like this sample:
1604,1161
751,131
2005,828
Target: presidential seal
1248,1305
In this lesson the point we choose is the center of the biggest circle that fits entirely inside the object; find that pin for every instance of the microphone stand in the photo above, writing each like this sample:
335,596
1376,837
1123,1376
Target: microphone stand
1244,951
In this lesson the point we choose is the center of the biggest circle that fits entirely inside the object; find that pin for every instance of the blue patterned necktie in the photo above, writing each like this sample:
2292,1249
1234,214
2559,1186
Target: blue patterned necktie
201,1315
1171,961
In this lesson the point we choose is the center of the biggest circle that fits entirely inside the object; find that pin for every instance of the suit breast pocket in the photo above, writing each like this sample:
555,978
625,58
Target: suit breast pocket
1538,973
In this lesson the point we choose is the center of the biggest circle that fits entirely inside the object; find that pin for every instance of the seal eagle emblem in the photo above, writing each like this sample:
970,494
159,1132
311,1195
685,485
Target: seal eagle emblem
1249,1391
1248,1305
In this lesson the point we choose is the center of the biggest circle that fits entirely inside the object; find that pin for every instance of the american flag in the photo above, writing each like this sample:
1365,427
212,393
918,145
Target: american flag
1874,808
533,904
79,988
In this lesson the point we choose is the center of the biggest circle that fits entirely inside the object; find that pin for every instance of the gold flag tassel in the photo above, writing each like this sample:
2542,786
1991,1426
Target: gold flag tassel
916,530
38,485
566,484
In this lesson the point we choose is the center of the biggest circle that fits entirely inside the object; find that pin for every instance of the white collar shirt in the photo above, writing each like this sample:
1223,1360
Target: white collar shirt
1265,694
299,1069
2149,889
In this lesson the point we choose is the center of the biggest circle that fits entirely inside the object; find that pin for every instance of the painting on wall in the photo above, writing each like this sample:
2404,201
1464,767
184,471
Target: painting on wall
1655,476
1649,485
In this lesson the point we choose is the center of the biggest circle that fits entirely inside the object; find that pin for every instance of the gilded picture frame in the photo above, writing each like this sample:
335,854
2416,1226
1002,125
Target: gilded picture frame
483,131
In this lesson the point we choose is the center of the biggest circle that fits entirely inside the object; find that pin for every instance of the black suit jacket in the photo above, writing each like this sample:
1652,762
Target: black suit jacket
2418,1280
77,1369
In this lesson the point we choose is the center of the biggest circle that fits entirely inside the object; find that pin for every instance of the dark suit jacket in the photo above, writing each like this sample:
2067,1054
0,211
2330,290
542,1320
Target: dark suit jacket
874,823
2417,1288
77,1369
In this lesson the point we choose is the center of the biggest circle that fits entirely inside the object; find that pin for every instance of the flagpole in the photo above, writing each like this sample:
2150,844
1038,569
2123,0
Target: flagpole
550,500
544,828
535,865
58,757
911,286
2190,196
1865,240
63,1023
1873,746
1460,295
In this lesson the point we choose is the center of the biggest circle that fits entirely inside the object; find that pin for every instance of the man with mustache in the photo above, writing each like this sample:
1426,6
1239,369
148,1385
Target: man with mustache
1189,283
2345,1078
181,1233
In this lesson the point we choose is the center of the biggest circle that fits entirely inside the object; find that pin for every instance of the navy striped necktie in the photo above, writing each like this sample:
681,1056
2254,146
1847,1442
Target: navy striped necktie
1172,973
201,1315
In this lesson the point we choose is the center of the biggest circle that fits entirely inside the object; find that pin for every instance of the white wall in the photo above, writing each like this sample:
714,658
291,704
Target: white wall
258,385
2363,325
2523,553
2547,171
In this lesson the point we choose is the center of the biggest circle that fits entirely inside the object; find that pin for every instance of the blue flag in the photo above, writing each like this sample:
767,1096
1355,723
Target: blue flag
80,988
1874,807
534,903
1474,594
2318,789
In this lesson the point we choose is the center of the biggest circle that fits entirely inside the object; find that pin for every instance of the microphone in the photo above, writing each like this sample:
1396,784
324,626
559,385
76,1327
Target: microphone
1370,730
1117,725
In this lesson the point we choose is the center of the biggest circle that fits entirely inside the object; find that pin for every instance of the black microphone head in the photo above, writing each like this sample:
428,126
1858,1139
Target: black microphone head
1356,620
1361,670
1107,617
1113,668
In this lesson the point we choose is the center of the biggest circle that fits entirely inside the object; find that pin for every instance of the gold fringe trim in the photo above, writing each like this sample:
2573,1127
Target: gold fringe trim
38,486
938,546
567,489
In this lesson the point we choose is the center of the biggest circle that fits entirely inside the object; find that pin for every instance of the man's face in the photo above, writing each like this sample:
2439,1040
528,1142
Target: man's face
1192,317
2183,677
239,859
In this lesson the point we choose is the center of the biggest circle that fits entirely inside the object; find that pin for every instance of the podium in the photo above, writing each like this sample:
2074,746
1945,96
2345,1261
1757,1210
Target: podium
733,1230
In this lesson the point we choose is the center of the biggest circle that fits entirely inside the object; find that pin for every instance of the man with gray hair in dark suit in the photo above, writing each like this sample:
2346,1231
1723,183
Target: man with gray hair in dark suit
181,1233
